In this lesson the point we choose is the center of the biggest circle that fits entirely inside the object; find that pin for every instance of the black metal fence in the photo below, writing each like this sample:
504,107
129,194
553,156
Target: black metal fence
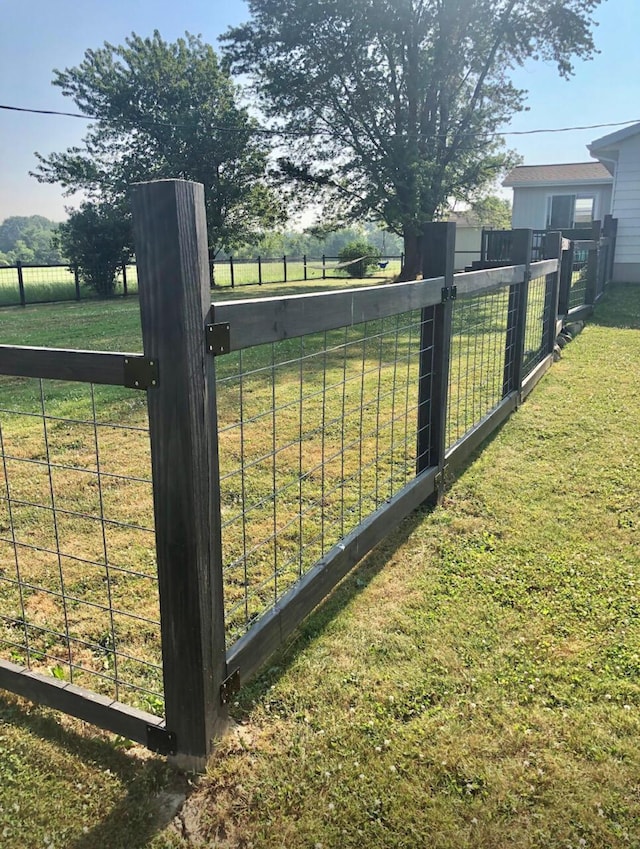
169,518
24,283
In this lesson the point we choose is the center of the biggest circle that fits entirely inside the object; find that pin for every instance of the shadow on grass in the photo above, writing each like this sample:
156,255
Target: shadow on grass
75,763
620,307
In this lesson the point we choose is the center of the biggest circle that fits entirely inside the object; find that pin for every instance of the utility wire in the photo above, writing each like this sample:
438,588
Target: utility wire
301,133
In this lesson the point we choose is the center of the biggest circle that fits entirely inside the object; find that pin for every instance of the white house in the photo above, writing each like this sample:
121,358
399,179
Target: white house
620,154
573,195
559,196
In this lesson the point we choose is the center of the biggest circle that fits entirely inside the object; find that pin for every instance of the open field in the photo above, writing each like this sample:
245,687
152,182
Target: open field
50,284
472,683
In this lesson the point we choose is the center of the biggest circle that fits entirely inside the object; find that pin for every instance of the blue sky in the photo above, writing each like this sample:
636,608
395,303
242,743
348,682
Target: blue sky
38,35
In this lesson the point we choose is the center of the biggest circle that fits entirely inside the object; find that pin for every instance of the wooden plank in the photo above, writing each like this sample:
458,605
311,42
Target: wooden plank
173,278
460,451
517,312
439,240
250,652
76,701
487,279
549,265
552,249
534,376
256,321
64,364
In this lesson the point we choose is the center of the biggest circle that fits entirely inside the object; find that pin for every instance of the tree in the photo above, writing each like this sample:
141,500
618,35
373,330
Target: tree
493,212
166,111
397,103
95,238
28,239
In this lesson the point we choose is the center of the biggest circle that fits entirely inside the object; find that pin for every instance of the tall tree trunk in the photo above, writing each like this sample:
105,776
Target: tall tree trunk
412,267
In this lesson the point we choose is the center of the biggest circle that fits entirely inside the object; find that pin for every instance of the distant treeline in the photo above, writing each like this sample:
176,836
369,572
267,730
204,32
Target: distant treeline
32,239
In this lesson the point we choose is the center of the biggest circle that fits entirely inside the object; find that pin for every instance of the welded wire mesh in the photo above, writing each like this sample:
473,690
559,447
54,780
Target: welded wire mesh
315,434
538,316
578,291
78,584
480,350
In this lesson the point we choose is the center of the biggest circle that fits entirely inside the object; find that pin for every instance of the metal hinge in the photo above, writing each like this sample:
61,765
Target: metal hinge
161,741
218,338
229,687
140,372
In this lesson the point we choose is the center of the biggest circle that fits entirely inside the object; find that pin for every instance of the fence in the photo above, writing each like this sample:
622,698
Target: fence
24,283
193,504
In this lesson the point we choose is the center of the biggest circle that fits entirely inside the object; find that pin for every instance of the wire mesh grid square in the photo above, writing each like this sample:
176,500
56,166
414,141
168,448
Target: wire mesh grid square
78,583
480,350
315,433
537,322
578,291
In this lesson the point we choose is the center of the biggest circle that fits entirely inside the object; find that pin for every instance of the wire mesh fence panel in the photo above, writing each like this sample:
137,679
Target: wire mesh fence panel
536,328
78,584
578,291
220,273
315,434
40,284
477,360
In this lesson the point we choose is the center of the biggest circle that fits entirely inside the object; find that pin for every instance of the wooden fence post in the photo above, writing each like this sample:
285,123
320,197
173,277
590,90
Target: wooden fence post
591,288
23,300
609,231
521,249
566,274
231,271
284,262
552,249
124,280
171,248
439,240
76,281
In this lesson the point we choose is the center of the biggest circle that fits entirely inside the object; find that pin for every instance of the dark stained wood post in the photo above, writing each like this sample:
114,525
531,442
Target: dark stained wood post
231,271
124,280
173,279
591,288
552,249
610,227
521,250
76,281
439,240
566,276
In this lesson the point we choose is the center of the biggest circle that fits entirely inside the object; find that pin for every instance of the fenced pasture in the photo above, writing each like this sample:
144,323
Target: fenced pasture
169,518
24,284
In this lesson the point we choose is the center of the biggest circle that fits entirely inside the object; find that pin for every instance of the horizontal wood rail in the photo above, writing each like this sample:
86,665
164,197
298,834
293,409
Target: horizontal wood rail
132,370
297,315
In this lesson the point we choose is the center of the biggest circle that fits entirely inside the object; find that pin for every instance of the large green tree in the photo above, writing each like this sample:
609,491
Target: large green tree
397,103
166,110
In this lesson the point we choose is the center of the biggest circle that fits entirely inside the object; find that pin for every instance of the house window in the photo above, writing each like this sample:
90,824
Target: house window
564,212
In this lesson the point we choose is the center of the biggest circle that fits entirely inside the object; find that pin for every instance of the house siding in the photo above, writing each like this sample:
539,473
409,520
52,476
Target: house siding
626,208
530,202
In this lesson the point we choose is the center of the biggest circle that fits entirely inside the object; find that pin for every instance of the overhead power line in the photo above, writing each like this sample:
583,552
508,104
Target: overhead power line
301,133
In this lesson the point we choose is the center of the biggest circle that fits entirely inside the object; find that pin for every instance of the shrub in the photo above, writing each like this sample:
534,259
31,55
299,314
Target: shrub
96,239
355,250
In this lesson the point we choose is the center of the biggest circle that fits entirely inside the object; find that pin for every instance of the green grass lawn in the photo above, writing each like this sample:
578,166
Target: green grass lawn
474,683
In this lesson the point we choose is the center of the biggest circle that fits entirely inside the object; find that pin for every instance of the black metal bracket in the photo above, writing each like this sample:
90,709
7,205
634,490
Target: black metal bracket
229,687
448,293
218,338
440,480
140,372
161,741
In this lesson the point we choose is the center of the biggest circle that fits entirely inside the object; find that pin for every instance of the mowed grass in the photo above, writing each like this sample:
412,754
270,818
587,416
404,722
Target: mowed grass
473,683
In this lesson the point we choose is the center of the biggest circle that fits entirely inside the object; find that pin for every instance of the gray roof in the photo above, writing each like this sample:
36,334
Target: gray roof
574,172
614,138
